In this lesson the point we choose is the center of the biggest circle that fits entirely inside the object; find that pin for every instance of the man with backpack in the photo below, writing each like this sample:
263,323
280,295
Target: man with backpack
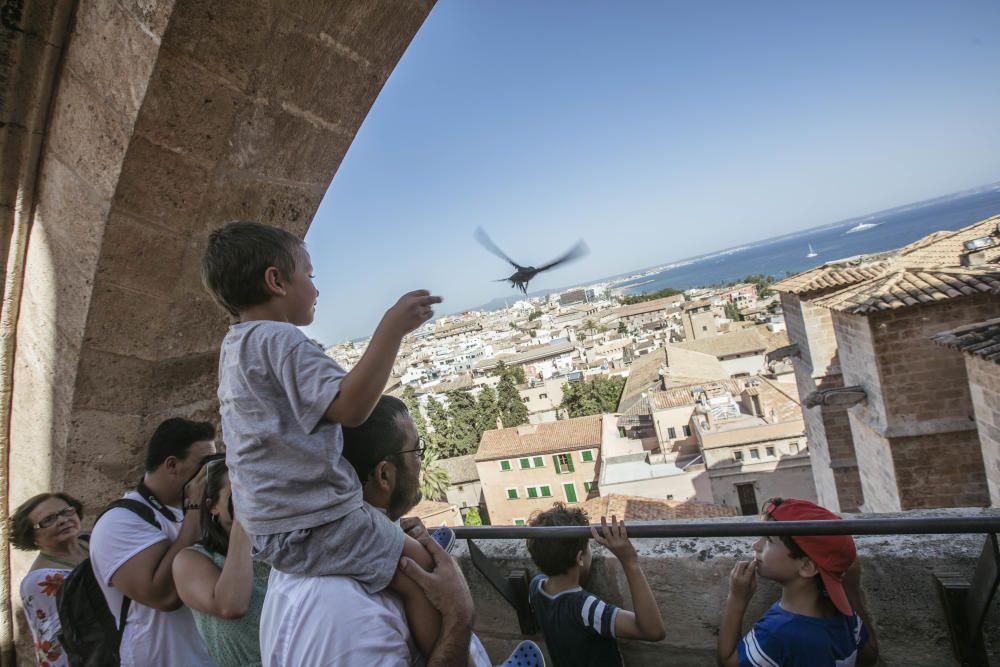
132,558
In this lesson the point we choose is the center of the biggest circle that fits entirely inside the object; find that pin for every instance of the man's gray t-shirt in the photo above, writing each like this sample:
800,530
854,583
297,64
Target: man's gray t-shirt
285,460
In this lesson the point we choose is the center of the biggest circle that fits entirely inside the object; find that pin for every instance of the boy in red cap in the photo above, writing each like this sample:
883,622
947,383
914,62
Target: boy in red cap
820,619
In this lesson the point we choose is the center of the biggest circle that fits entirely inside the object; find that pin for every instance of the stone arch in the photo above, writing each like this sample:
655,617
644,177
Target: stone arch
161,120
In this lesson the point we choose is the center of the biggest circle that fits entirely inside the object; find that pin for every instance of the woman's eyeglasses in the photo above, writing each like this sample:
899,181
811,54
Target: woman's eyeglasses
51,519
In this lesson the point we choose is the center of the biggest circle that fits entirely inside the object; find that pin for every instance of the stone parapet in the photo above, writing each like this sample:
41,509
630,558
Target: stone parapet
689,577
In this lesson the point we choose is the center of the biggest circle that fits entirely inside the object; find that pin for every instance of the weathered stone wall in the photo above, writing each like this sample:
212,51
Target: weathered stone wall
984,385
689,578
168,119
817,367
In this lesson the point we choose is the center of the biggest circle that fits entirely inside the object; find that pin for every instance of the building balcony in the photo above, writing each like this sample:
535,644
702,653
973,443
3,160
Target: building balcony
690,579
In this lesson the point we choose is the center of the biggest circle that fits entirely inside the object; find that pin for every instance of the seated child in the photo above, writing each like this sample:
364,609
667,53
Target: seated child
283,401
818,620
579,628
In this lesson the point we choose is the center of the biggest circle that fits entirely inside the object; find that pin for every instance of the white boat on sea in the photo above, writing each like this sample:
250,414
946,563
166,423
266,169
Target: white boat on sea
862,226
812,253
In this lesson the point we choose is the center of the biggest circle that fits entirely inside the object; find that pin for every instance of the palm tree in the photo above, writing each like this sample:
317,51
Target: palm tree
433,478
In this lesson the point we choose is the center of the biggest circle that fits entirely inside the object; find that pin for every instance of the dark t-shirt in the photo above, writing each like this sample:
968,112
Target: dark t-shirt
579,627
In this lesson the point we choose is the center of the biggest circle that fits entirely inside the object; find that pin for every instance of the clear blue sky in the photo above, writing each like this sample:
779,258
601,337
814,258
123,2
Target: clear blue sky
654,130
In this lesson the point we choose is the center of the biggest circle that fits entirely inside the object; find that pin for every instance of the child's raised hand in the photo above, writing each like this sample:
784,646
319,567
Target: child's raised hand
412,310
743,580
614,538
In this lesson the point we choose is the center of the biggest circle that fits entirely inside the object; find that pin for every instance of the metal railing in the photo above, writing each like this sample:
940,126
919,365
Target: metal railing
966,602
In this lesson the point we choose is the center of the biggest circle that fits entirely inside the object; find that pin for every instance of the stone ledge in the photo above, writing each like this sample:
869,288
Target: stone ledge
689,577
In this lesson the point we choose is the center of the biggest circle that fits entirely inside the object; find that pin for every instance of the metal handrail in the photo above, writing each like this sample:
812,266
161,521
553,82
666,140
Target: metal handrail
890,526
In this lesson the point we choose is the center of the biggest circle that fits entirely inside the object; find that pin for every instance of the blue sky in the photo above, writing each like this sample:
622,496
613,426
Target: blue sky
654,130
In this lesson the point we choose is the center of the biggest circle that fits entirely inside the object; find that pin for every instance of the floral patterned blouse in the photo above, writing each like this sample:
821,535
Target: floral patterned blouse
38,593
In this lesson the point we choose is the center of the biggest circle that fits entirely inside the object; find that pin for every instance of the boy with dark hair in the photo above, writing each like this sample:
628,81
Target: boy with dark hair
580,628
283,403
820,620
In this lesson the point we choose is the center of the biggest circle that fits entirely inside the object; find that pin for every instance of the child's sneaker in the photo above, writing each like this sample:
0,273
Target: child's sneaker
527,654
444,536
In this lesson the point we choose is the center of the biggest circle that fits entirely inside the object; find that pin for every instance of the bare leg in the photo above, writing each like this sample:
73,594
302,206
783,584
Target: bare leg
423,619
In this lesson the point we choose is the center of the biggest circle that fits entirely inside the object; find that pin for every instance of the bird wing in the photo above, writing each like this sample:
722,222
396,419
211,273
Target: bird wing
488,243
576,252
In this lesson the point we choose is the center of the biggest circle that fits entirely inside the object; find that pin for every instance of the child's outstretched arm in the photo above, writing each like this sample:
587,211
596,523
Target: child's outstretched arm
361,388
646,623
742,586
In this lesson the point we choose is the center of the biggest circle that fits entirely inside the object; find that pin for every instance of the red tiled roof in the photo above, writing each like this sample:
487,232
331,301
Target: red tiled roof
981,339
558,436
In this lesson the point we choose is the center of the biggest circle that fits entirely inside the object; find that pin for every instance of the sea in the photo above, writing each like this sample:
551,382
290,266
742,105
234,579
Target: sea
787,254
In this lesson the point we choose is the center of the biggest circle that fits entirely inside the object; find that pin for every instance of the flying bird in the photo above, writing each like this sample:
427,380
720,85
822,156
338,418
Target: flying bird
524,274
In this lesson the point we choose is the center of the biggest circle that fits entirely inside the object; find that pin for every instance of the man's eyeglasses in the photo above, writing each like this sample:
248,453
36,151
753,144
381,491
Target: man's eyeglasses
419,449
51,519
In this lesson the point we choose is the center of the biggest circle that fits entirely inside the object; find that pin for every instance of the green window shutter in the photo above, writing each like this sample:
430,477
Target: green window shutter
546,492
518,522
539,462
569,462
532,492
505,465
586,455
586,487
570,491
525,464
555,462
511,494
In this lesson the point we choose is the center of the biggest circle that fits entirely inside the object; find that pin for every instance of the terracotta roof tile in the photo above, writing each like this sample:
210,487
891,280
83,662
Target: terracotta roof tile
530,439
912,287
981,339
681,396
724,345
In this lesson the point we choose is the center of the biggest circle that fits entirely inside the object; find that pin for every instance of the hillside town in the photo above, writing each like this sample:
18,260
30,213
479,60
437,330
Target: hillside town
706,402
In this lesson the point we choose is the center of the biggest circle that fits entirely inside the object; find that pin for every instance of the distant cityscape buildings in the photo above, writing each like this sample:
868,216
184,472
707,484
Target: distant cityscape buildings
866,384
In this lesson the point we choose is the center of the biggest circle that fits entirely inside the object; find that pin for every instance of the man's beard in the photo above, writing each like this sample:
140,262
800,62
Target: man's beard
403,498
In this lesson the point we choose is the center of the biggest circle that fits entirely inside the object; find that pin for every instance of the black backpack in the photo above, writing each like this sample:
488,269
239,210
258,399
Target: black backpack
89,636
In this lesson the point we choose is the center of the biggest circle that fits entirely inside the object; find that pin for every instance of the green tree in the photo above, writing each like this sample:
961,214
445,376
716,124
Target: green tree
590,325
534,315
733,313
438,415
487,412
516,372
409,397
592,398
472,517
513,411
462,413
622,329
650,296
433,478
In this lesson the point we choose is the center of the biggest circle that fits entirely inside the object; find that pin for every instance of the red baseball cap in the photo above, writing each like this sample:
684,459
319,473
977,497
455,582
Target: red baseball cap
833,554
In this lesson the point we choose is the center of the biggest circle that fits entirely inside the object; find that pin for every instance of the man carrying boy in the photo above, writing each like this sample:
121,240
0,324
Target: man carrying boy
283,402
579,628
820,620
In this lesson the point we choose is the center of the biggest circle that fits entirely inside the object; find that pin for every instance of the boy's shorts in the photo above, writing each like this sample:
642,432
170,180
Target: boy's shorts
364,545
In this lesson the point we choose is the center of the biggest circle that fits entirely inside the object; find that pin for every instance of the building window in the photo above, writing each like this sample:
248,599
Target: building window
687,431
769,451
738,455
525,399
541,396
569,488
794,447
588,486
563,463
538,491
671,432
524,463
755,453
587,455
505,465
511,494
539,462
518,522
621,431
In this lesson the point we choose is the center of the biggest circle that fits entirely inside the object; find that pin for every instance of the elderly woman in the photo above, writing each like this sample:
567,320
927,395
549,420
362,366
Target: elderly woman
217,579
49,523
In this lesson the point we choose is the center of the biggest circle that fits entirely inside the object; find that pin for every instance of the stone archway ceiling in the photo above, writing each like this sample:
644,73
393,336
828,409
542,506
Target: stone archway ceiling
171,119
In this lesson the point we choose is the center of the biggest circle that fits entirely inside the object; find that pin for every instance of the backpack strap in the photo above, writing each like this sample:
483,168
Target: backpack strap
146,513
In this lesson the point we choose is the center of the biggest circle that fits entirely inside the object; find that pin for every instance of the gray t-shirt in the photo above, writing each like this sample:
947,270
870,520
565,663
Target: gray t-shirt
285,460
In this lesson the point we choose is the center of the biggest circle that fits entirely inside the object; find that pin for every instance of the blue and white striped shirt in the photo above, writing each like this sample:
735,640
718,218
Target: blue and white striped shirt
783,639
579,627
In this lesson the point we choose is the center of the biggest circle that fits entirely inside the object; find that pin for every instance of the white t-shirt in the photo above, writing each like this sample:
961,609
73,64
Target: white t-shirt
326,621
152,638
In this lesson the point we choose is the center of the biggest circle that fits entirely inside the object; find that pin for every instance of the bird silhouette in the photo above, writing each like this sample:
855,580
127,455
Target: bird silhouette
524,274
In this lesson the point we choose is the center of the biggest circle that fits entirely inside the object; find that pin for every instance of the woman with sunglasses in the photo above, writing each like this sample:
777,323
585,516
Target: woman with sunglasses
217,579
50,523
